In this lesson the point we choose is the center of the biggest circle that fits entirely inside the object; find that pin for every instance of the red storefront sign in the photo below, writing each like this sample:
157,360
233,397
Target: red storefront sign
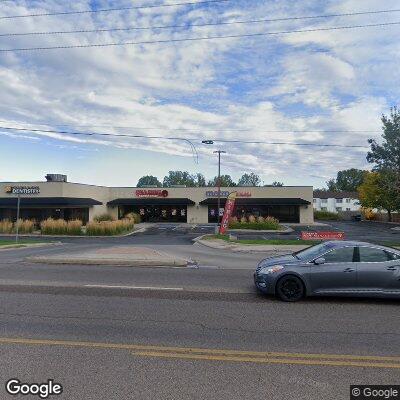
151,193
322,235
229,205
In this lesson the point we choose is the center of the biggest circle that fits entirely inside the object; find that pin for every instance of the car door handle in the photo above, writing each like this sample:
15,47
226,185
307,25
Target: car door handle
391,268
349,270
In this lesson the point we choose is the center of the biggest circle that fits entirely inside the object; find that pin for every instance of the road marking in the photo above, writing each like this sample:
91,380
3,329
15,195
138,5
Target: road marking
132,287
267,360
343,360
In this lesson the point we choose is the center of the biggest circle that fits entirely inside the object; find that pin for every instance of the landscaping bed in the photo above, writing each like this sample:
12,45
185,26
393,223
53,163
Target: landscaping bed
275,242
255,224
60,227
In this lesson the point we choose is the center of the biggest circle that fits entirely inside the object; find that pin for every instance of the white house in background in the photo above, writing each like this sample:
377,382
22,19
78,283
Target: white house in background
335,201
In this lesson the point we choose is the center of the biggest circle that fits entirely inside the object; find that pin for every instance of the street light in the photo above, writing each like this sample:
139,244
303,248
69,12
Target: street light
219,177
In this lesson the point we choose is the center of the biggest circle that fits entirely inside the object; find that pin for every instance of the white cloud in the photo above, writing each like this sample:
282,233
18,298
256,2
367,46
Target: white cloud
260,89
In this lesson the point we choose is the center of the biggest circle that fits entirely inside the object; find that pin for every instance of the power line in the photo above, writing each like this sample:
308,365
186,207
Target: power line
80,46
220,23
201,130
100,10
189,140
285,143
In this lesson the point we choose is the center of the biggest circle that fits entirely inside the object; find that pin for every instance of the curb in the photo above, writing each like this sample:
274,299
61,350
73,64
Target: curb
26,246
245,248
75,236
281,232
112,262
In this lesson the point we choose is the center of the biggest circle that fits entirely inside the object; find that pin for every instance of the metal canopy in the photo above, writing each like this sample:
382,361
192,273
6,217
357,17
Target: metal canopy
11,202
151,202
260,201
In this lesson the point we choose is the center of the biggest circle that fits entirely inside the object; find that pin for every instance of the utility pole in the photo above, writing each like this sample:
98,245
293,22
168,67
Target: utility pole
219,152
219,179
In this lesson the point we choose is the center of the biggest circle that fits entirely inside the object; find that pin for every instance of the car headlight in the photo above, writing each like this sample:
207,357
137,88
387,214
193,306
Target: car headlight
271,270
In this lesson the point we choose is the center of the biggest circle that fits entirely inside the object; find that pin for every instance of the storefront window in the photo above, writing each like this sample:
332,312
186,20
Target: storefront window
156,213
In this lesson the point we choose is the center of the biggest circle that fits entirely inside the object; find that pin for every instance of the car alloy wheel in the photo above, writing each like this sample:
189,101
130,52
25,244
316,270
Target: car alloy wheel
290,288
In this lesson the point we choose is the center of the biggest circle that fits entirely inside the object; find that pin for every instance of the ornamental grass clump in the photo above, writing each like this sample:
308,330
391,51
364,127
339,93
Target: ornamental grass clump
25,226
252,219
53,227
109,228
134,216
104,217
74,227
6,226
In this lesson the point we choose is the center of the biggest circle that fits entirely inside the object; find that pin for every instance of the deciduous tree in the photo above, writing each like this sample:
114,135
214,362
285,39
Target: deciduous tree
149,180
378,192
251,179
179,178
226,181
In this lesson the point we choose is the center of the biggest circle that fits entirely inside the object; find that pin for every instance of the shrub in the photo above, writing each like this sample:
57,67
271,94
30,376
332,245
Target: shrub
243,220
326,215
104,217
134,216
109,228
6,226
368,213
260,219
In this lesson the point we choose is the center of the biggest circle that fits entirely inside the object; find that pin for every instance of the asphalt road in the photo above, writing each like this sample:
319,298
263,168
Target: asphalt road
153,333
115,344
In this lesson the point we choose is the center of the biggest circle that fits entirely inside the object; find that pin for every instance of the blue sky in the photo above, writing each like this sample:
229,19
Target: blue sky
263,88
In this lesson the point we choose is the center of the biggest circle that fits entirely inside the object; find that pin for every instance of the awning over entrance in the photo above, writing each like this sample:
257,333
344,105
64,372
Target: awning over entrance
259,202
151,202
49,202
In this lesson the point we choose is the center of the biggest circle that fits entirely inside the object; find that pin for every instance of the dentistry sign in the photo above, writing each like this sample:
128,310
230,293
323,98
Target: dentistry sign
22,189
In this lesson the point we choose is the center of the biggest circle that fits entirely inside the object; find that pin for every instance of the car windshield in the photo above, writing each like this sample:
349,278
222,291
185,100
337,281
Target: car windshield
311,252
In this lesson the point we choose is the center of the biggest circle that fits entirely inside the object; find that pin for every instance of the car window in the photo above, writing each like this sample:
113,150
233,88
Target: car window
392,256
344,254
311,252
370,254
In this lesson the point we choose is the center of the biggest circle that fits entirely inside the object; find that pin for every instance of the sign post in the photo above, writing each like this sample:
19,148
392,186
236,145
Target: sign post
17,222
229,205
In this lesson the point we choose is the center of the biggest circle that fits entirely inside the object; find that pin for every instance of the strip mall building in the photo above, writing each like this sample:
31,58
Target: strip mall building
58,198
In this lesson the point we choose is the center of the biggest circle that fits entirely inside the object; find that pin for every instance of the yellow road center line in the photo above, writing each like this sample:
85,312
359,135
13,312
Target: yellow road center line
266,360
190,351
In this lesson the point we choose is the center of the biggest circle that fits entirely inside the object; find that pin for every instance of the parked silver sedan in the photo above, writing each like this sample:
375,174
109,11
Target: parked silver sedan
340,268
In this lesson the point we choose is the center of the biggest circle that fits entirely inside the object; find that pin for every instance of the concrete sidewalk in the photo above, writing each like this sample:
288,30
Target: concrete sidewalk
129,256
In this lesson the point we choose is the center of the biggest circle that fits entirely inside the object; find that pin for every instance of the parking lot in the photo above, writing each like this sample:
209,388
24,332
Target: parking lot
183,234
365,230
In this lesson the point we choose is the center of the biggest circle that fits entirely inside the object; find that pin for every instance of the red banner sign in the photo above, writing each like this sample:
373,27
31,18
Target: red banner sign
151,193
229,205
322,235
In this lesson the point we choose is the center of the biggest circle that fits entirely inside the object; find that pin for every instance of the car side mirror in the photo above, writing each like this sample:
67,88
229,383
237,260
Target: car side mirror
319,261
